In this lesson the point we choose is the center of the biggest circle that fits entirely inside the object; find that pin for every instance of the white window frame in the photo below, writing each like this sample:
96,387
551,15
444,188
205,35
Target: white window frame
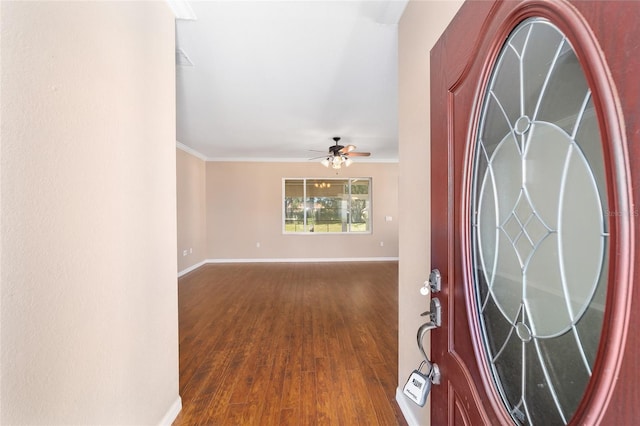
304,197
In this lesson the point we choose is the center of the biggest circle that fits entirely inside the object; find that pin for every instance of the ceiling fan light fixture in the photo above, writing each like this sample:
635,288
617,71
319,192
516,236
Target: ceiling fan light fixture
340,155
337,161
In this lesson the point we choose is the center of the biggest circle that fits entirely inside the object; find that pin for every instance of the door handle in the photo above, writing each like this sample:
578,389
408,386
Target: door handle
418,386
435,321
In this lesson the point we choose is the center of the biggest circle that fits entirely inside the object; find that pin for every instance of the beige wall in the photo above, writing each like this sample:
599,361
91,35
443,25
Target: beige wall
191,197
244,207
88,219
421,25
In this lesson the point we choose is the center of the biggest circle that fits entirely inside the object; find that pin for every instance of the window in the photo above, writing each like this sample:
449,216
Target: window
327,205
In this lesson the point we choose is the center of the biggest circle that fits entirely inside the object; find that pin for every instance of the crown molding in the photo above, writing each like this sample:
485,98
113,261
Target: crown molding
203,157
290,160
191,151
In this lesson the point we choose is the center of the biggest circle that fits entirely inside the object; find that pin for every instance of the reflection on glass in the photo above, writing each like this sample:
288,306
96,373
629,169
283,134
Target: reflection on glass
327,205
539,232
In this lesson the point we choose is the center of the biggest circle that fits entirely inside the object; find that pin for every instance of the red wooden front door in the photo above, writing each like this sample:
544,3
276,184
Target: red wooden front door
605,36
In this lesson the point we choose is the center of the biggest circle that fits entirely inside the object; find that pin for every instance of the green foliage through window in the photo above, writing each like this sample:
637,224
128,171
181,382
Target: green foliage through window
327,205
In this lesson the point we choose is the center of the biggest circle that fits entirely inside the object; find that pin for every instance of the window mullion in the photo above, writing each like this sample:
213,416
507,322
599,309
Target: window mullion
304,204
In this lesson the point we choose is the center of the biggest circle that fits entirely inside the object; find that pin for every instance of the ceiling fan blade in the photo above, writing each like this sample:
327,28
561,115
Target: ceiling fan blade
357,154
322,156
347,148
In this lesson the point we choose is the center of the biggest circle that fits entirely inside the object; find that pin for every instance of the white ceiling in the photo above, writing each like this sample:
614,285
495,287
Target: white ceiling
274,80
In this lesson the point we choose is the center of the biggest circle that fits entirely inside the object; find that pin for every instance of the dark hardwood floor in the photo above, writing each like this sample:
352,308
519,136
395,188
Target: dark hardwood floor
289,343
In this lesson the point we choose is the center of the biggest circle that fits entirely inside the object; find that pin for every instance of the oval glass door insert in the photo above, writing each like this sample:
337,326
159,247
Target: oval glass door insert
539,226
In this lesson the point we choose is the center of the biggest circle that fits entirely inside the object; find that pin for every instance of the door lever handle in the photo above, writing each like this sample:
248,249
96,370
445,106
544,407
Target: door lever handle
435,315
418,386
432,368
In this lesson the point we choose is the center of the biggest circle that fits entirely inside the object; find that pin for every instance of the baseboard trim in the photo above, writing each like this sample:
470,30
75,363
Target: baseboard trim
288,260
173,412
191,268
304,260
403,403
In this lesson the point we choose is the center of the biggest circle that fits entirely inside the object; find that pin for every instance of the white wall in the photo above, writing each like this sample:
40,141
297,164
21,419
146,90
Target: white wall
88,219
420,27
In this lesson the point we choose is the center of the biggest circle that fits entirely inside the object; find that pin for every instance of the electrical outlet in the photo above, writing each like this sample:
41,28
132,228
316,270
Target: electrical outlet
258,245
381,243
184,253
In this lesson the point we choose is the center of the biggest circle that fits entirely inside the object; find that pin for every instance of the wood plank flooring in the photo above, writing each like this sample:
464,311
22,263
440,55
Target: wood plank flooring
289,344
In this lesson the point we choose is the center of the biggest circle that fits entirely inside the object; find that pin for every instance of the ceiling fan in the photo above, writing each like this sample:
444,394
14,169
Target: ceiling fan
340,155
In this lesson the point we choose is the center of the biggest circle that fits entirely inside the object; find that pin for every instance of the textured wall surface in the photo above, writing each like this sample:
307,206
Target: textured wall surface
88,220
